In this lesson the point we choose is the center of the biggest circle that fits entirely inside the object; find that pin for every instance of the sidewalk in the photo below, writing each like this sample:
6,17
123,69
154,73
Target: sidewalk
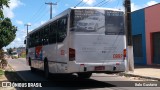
5,78
148,72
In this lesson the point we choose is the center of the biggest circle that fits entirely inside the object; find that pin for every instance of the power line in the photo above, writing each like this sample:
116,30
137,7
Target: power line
105,3
117,4
42,15
36,13
78,3
58,1
120,6
99,3
84,3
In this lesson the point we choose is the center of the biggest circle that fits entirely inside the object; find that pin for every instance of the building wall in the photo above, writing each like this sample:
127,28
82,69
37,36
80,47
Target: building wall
152,20
138,27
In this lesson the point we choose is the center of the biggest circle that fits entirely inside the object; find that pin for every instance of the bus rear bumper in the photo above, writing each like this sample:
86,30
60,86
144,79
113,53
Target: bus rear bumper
98,67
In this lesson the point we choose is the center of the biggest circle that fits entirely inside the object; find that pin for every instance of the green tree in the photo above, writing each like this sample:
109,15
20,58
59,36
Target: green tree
7,32
2,4
10,50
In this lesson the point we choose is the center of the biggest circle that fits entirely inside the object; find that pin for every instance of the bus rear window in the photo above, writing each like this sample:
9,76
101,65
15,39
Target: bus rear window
114,23
98,21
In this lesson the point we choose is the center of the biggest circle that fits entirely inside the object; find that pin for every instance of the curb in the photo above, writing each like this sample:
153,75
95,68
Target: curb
133,75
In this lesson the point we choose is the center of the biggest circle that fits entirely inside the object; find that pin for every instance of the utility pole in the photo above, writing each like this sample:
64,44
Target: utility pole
27,38
130,61
27,27
51,8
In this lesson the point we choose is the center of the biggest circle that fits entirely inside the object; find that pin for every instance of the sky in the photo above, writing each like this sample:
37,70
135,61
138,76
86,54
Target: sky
36,12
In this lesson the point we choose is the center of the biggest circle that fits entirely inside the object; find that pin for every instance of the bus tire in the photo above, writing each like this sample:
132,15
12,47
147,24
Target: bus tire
29,62
46,70
84,75
33,69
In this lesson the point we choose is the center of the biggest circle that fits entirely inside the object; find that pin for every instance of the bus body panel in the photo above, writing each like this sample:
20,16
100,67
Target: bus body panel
98,48
92,52
49,53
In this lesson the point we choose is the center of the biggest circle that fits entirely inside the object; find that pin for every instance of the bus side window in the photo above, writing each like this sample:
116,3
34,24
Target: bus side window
52,32
36,38
30,41
46,35
62,29
33,43
40,38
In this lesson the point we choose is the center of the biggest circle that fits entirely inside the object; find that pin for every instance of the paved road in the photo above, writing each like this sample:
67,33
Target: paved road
96,82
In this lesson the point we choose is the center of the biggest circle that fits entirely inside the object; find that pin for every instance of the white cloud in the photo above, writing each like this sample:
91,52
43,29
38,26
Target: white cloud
35,25
8,12
16,43
18,39
135,7
150,3
89,2
19,22
29,23
42,22
13,42
24,31
24,36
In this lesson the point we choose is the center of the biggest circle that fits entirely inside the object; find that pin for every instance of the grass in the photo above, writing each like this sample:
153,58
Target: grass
23,55
1,72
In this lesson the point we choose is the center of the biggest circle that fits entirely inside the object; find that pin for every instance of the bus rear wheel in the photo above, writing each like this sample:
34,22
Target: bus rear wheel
46,70
84,75
32,69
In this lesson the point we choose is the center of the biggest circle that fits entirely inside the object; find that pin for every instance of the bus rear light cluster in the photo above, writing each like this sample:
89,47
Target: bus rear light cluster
72,55
117,63
124,53
81,64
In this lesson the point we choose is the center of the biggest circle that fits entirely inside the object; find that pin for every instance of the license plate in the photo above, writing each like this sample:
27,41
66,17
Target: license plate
99,68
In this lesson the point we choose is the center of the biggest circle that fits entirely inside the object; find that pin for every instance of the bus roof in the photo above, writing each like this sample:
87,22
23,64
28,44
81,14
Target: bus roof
51,20
66,12
100,8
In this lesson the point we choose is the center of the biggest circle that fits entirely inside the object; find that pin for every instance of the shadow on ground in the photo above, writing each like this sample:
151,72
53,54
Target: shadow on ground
56,81
70,81
12,76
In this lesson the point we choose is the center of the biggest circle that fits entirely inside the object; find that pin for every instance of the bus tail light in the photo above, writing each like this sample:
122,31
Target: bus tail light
72,53
117,63
124,53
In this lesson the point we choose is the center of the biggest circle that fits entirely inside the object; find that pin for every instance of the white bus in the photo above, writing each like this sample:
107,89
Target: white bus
81,40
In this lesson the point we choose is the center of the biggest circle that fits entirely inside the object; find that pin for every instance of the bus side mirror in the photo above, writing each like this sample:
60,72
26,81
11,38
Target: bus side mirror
24,41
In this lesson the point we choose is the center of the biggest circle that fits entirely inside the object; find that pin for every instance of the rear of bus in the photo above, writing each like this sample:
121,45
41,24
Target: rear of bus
97,41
